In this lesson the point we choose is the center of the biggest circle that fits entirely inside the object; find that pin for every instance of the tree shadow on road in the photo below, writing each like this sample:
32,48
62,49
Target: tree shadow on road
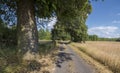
63,57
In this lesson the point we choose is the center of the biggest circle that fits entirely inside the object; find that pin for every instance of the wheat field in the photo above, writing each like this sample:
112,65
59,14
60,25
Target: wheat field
107,53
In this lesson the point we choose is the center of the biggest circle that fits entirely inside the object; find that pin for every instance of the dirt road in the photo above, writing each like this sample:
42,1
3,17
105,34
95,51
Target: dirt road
70,62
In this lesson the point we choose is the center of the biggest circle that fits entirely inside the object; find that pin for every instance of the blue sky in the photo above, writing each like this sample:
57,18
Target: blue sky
104,20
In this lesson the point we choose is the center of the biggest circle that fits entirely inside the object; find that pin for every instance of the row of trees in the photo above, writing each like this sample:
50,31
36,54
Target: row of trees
73,26
96,38
71,14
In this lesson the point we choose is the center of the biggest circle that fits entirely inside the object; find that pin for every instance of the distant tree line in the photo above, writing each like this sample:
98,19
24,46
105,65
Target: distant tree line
96,38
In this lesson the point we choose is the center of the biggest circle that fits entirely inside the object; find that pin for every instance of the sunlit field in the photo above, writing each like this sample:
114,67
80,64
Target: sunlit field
107,53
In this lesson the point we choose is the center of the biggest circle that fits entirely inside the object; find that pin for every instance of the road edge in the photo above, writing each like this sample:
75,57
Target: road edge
99,67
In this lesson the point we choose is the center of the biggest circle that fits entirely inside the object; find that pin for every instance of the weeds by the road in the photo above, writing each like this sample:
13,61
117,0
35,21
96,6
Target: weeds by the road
107,53
10,62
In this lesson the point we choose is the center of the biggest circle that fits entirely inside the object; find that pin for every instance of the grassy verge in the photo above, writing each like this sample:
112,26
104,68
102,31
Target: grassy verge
10,62
99,67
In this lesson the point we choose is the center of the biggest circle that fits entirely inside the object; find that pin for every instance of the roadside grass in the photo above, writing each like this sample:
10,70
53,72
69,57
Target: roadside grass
99,68
107,53
10,62
46,47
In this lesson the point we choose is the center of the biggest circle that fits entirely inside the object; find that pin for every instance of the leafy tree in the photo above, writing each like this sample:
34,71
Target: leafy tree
25,11
7,35
59,33
76,25
44,34
93,38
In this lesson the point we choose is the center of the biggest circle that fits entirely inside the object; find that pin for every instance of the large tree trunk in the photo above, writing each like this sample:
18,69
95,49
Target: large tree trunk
27,29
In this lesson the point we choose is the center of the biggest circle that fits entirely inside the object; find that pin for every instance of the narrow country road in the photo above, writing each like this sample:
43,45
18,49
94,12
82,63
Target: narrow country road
70,62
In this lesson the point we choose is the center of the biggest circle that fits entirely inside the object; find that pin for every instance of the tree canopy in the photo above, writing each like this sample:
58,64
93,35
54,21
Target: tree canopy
71,15
45,8
74,22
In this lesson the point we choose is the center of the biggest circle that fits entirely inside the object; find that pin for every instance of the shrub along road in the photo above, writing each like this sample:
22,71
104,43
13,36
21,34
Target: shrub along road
69,61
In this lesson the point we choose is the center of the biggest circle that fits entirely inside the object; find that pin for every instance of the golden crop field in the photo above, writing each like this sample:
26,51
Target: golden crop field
107,53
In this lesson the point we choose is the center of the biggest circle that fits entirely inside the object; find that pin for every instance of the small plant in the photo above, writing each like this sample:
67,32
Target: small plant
33,65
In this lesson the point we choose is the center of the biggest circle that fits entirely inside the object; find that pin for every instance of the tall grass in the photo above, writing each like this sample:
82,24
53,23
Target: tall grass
107,53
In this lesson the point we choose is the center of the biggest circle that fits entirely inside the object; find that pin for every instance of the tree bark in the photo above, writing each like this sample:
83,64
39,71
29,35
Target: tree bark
26,27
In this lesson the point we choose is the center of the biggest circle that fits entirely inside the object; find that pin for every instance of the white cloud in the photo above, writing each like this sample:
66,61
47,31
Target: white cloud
52,22
105,31
116,21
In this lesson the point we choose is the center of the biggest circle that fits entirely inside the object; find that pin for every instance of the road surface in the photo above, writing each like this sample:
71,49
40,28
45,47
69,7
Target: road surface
70,62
